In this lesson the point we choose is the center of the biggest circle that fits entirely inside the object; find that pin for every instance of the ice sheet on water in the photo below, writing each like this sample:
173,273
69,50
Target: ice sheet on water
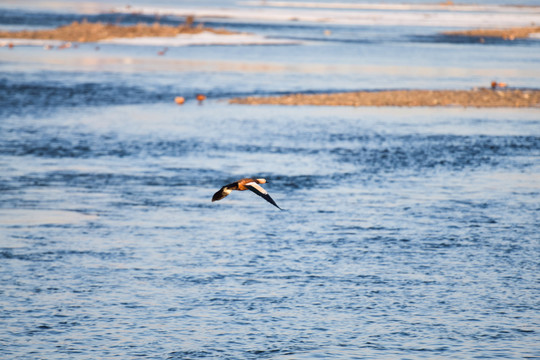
204,38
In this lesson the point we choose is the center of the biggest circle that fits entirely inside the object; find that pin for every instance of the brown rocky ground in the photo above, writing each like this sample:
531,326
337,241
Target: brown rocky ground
92,32
507,34
468,98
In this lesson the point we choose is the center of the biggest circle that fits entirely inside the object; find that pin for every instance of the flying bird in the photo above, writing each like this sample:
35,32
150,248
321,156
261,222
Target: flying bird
245,184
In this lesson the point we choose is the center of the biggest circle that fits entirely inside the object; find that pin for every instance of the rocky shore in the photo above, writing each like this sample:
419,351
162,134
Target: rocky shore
92,32
483,97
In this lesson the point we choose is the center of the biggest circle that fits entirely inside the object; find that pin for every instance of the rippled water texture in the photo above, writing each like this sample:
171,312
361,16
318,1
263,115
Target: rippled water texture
408,233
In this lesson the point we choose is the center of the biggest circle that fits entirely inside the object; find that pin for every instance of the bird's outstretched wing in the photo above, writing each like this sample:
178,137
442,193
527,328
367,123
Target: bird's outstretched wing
257,189
224,191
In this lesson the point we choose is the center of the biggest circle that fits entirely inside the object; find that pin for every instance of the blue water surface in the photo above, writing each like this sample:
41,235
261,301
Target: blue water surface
407,233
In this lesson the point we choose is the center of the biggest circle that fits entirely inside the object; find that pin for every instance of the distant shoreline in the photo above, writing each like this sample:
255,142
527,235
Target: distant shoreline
506,34
481,98
93,32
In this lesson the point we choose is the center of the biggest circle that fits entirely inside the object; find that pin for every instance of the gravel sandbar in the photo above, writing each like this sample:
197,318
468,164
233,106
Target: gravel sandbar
468,98
507,34
92,32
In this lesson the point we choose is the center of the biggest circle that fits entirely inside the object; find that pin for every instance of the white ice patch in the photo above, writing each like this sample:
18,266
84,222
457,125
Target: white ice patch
204,38
32,42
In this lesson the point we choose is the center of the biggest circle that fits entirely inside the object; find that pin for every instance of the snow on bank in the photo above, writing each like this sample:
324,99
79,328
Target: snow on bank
384,14
204,38
30,42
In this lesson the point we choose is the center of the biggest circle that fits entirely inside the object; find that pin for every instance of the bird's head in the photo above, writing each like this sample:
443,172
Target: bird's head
261,181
